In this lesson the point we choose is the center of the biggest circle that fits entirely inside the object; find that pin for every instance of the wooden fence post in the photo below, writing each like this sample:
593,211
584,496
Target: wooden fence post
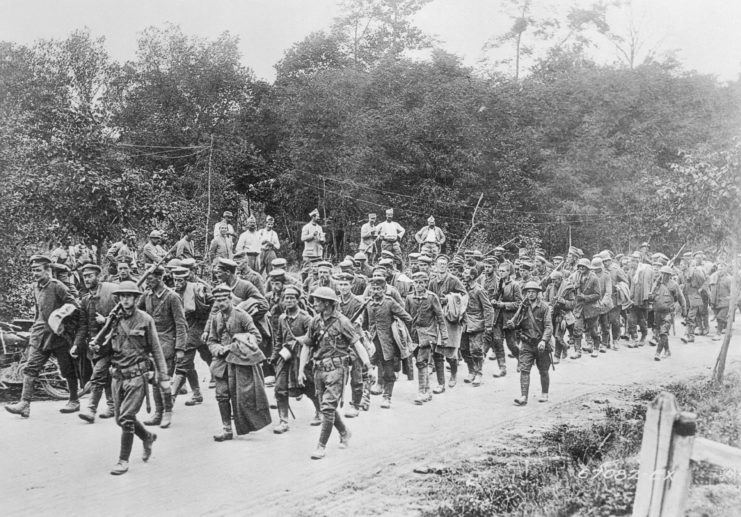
654,457
679,473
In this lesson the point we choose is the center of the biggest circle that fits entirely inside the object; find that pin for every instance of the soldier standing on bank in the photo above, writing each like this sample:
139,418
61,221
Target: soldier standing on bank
534,320
368,234
134,341
430,239
391,233
331,336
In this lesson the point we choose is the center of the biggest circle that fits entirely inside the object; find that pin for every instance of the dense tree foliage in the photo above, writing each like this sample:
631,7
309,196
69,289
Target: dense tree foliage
607,155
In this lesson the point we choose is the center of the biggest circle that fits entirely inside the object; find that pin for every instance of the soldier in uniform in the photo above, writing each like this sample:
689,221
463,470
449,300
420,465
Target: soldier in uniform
379,316
184,249
50,296
221,246
693,278
560,295
125,248
197,303
330,337
665,295
640,289
95,307
269,244
246,272
134,341
617,276
478,321
443,284
428,330
368,234
153,252
292,325
349,304
505,302
586,309
490,283
361,262
313,238
430,238
234,342
166,309
534,319
604,308
720,297
249,243
391,233
123,272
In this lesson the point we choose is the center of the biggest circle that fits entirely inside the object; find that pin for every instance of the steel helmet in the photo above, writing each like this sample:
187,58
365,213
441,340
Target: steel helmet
532,285
584,262
667,269
325,293
127,287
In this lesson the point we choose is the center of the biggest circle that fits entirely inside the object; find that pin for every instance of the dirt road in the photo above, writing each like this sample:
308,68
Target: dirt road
54,464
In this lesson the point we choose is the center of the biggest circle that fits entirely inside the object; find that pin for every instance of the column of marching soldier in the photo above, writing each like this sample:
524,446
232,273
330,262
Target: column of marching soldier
362,322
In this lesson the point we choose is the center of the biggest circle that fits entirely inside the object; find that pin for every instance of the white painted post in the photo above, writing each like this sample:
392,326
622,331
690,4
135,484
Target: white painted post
679,472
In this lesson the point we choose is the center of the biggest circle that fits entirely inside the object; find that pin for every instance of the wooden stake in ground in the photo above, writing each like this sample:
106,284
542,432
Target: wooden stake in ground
720,364
473,223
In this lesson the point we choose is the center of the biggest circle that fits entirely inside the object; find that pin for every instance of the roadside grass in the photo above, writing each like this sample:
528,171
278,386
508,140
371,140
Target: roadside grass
587,469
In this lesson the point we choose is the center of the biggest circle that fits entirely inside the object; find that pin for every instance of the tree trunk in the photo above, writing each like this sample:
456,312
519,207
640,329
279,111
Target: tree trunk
720,364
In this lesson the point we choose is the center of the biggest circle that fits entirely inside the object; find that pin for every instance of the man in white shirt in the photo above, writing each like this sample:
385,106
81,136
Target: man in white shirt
391,233
227,220
269,244
368,235
249,243
430,238
312,236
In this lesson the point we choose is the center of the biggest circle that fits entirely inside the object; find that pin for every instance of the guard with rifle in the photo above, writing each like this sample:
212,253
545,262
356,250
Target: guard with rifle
133,347
330,338
534,319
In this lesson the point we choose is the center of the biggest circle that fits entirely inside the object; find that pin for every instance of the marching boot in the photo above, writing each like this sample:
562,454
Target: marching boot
108,412
167,410
388,390
196,399
365,399
577,348
178,381
156,418
421,394
147,444
282,426
428,393
453,374
73,404
88,414
377,387
502,367
440,375
225,410
23,408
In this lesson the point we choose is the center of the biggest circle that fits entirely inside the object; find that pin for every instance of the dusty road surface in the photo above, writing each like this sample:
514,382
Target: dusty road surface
54,464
